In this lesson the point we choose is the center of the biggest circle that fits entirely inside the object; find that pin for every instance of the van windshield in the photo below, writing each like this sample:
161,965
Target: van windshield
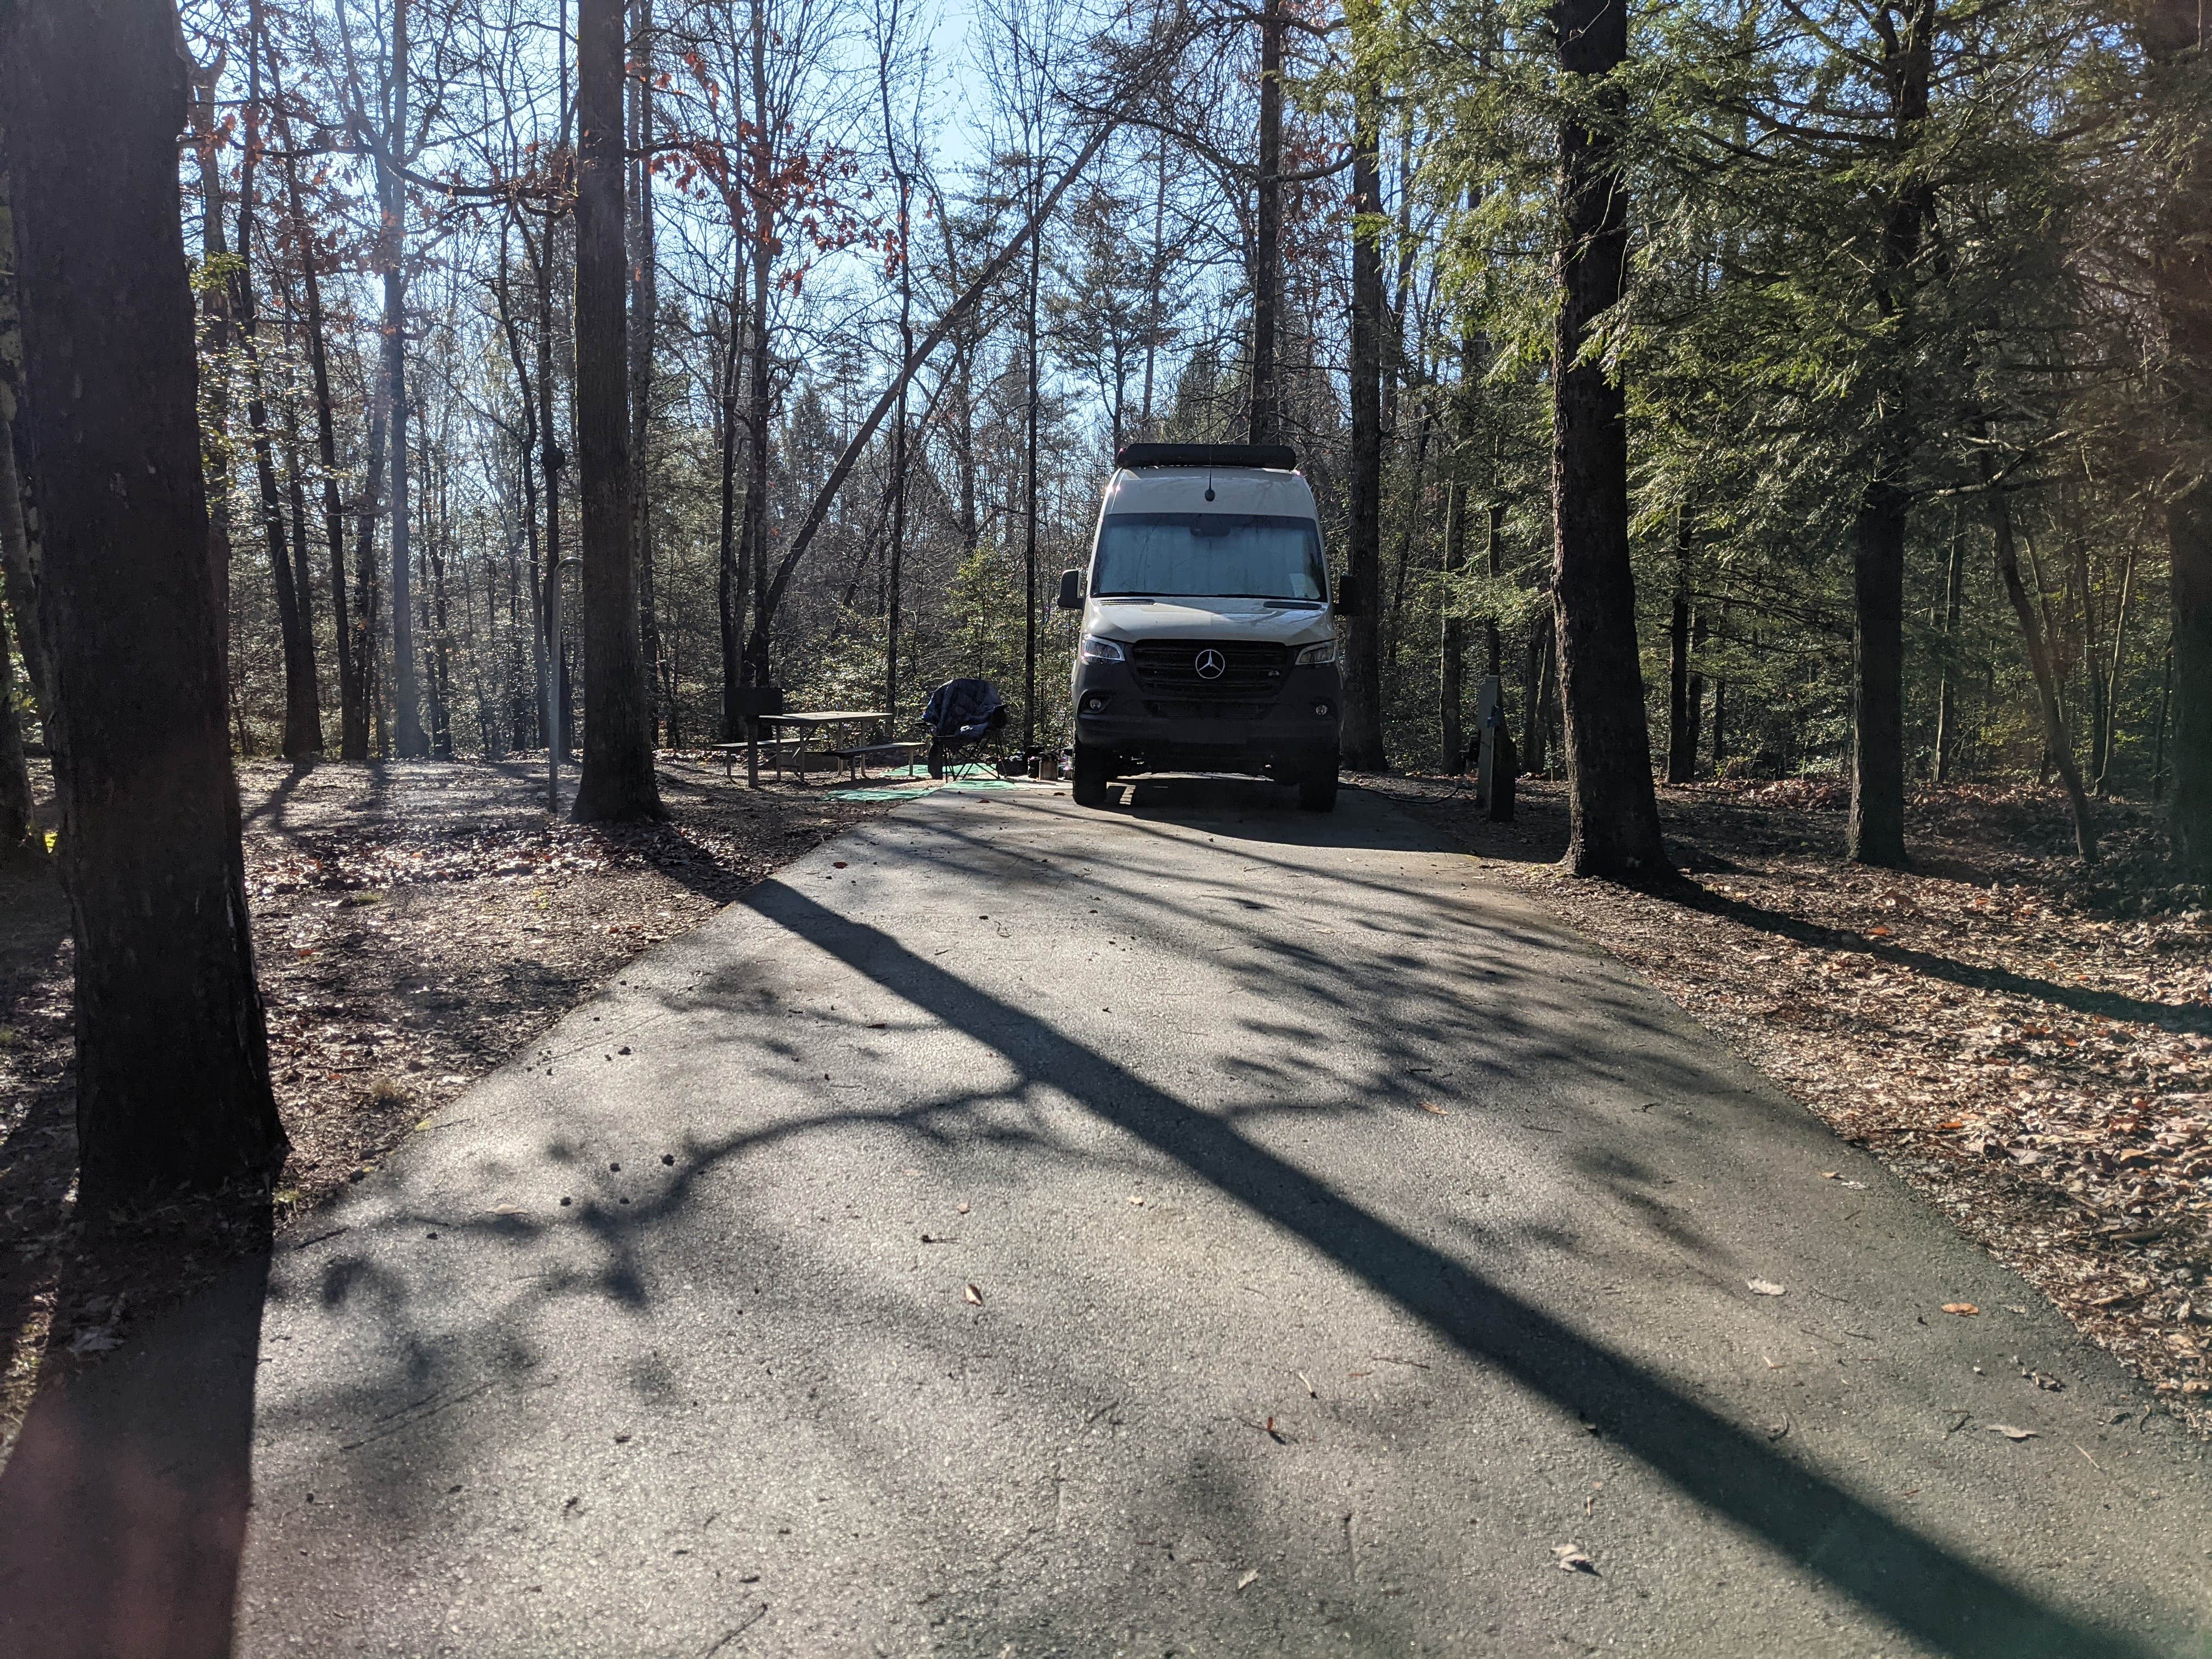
1239,556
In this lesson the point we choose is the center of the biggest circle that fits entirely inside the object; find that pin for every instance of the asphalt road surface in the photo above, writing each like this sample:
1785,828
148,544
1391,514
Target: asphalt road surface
1197,1227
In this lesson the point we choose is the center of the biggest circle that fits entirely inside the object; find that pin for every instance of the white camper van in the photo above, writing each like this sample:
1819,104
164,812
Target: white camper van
1209,626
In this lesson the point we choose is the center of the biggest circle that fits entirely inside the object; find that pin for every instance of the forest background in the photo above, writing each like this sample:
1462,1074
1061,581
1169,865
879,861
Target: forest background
1891,291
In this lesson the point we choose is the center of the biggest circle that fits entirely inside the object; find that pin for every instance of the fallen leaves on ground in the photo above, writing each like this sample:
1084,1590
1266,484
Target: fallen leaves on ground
2012,1433
1571,1559
972,1295
1962,1309
1764,1287
2026,1044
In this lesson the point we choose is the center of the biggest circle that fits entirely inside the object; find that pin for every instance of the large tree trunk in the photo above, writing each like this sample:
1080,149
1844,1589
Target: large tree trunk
1263,420
1876,831
1614,810
645,304
172,1066
408,737
617,783
1362,738
2172,34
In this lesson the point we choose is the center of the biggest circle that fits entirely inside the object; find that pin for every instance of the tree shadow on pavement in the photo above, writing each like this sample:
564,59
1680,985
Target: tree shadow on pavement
123,1510
1895,1571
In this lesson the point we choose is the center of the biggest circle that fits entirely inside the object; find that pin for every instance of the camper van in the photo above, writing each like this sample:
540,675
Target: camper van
1209,623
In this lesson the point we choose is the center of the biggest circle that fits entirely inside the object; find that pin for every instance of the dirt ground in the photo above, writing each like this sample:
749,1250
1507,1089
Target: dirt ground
414,924
2024,1042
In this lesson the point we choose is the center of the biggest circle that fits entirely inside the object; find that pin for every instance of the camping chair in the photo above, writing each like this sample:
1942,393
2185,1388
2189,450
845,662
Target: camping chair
960,718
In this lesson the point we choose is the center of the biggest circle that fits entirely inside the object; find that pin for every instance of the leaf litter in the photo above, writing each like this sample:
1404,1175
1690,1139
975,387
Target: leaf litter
412,930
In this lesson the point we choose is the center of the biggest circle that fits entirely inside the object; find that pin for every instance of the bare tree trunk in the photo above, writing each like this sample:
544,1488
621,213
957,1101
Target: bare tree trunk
526,469
1720,712
1029,488
1946,696
2039,661
2111,699
173,1067
617,784
763,393
1361,739
1681,713
1451,677
303,719
367,511
895,575
1613,808
730,576
552,689
353,708
1264,416
406,697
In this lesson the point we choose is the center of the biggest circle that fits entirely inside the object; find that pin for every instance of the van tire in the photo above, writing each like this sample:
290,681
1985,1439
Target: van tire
1317,790
1093,768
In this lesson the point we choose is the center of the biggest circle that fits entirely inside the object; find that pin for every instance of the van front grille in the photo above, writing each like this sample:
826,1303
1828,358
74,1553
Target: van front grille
1248,670
1204,708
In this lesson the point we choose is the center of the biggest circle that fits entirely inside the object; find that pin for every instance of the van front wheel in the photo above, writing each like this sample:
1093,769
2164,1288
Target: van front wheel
1093,768
1317,790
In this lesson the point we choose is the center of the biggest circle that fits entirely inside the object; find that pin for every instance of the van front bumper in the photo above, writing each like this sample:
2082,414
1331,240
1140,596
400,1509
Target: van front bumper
1291,729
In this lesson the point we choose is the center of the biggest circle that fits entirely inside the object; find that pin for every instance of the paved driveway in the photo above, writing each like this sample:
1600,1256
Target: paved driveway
1197,1227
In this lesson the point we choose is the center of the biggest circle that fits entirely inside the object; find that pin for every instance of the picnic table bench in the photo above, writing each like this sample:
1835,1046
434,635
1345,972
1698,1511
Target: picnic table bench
774,748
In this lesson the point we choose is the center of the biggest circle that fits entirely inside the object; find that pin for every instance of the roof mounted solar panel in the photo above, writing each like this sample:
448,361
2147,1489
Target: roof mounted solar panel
1277,457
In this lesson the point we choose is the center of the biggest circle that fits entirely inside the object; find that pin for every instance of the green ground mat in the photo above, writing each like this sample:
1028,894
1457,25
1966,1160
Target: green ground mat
903,785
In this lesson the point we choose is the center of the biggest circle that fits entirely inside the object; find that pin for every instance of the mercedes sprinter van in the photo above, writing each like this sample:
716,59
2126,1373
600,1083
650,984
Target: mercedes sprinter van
1209,628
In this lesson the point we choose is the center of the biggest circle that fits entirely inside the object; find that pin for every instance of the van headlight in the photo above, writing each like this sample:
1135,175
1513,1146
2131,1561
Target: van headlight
1315,655
1096,649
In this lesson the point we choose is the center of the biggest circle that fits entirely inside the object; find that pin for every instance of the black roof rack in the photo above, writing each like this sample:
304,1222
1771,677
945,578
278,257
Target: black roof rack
1280,457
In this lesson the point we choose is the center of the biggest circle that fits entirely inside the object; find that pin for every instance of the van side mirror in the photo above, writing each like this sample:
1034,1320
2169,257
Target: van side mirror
1070,590
1350,601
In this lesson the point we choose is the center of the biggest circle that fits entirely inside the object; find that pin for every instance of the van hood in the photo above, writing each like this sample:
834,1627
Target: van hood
1190,618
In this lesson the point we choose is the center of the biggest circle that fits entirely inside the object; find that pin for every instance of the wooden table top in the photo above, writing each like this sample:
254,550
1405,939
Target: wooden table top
832,717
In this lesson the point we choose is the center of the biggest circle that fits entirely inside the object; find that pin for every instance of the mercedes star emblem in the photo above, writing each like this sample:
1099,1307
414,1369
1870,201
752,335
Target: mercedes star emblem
1212,665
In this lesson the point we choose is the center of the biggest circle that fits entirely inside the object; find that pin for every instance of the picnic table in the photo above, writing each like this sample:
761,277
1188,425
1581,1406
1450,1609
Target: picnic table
809,726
